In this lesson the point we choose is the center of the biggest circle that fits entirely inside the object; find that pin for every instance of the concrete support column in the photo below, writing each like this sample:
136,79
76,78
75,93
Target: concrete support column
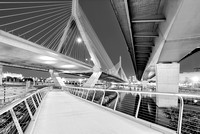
1,74
56,78
93,79
167,79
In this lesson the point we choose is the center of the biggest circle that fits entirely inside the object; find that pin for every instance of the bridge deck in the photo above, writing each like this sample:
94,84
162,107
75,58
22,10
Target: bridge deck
62,113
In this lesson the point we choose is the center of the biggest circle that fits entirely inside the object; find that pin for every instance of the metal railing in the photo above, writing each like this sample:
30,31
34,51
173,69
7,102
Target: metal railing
11,92
15,118
177,112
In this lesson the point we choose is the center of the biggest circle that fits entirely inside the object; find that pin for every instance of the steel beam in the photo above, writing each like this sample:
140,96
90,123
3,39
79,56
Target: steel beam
143,51
146,35
142,59
144,45
143,55
148,19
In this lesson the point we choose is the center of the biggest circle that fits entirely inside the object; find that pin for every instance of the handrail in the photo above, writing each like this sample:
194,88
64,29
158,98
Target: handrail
8,107
20,112
175,113
142,92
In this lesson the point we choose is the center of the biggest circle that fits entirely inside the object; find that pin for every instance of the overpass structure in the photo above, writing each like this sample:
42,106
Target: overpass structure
160,36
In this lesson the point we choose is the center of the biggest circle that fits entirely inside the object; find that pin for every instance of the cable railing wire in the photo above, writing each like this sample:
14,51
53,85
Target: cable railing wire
149,110
15,118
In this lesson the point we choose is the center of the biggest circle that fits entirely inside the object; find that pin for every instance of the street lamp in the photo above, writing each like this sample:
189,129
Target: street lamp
79,40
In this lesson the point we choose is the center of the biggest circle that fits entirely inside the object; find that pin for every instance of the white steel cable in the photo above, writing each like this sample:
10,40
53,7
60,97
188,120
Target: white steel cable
63,50
67,43
36,2
55,37
57,42
32,18
46,27
54,33
18,14
75,35
38,27
62,24
29,7
51,29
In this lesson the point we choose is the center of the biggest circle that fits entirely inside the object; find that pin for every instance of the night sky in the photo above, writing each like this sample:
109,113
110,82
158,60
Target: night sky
104,22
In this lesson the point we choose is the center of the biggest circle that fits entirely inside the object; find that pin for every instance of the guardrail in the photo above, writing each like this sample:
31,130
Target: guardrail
178,112
15,118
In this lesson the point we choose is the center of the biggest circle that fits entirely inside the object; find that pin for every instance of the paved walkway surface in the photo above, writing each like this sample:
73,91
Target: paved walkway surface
62,113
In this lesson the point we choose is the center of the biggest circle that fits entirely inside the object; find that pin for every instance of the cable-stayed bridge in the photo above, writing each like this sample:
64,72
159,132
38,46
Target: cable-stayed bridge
51,36
55,36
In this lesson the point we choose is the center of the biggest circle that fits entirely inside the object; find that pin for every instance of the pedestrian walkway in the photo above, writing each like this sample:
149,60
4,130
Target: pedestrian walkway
61,113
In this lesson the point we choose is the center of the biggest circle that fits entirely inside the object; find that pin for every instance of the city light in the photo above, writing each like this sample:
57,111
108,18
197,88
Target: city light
46,58
49,62
195,79
79,40
68,66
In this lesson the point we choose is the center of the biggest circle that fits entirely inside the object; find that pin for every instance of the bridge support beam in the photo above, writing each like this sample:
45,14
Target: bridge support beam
93,79
56,78
167,78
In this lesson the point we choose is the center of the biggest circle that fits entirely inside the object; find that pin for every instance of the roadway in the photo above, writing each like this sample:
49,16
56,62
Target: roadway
62,113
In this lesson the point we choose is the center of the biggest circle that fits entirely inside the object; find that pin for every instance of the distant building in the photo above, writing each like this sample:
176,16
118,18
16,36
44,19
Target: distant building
7,74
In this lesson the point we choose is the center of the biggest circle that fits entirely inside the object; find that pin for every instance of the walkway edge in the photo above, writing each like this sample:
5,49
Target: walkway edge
31,126
145,123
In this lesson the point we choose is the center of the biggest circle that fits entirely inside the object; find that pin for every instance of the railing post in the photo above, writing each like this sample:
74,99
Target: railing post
116,101
82,94
19,129
87,94
138,105
28,108
104,93
33,102
37,99
77,92
180,119
93,96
